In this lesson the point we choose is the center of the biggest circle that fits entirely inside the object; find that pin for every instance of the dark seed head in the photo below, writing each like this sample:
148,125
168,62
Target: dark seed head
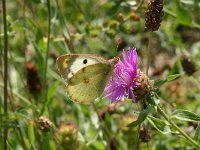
33,78
188,65
154,14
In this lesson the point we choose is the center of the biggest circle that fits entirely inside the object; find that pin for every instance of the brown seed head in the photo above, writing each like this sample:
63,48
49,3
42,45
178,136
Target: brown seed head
33,79
154,14
188,65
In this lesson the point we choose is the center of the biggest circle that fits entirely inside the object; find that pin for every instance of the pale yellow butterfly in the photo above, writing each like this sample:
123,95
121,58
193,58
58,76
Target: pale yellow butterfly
85,75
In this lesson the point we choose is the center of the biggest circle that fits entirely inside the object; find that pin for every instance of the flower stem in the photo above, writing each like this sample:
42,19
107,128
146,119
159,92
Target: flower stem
5,72
46,58
193,142
139,5
149,52
67,39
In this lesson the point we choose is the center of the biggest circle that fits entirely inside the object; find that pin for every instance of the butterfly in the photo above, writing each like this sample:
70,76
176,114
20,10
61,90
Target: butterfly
85,75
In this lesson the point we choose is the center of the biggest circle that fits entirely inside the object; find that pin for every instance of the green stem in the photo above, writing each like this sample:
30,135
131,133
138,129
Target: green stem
68,40
46,57
149,52
104,128
5,71
22,139
193,142
139,5
21,97
137,145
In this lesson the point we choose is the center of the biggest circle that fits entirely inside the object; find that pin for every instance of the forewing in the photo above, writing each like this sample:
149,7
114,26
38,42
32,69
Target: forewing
68,65
88,83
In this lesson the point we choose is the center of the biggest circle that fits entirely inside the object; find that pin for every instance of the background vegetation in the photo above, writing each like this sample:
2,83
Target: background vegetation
41,30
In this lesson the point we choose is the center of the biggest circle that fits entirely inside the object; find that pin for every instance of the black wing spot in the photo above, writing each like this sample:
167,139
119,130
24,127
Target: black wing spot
85,61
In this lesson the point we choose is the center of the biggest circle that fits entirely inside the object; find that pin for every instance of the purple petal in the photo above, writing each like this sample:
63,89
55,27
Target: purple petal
132,95
122,81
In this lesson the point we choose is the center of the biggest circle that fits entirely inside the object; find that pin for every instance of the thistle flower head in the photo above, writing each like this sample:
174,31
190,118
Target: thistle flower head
122,82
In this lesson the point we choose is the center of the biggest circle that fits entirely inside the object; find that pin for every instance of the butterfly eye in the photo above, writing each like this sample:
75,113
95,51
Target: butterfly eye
85,61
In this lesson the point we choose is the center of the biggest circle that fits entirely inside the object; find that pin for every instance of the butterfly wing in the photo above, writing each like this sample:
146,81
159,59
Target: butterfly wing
85,75
68,65
88,83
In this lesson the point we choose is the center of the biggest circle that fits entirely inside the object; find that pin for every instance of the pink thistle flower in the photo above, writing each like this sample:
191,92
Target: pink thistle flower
122,82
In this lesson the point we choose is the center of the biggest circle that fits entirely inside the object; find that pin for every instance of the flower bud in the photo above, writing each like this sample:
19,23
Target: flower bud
45,124
144,87
67,134
134,16
120,17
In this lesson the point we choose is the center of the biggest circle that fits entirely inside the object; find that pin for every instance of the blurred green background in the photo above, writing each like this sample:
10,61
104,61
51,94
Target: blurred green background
104,27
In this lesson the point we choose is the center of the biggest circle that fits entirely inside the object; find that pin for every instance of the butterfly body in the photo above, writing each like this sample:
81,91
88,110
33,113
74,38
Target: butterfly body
85,75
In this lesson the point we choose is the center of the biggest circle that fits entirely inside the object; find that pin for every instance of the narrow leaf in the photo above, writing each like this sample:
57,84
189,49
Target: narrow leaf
160,125
185,115
153,100
197,134
172,77
158,83
31,132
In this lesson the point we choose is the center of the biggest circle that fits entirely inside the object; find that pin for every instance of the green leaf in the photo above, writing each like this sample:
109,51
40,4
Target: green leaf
94,139
170,78
185,115
31,132
183,15
173,77
160,125
153,100
31,147
176,68
158,83
197,134
142,116
51,90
